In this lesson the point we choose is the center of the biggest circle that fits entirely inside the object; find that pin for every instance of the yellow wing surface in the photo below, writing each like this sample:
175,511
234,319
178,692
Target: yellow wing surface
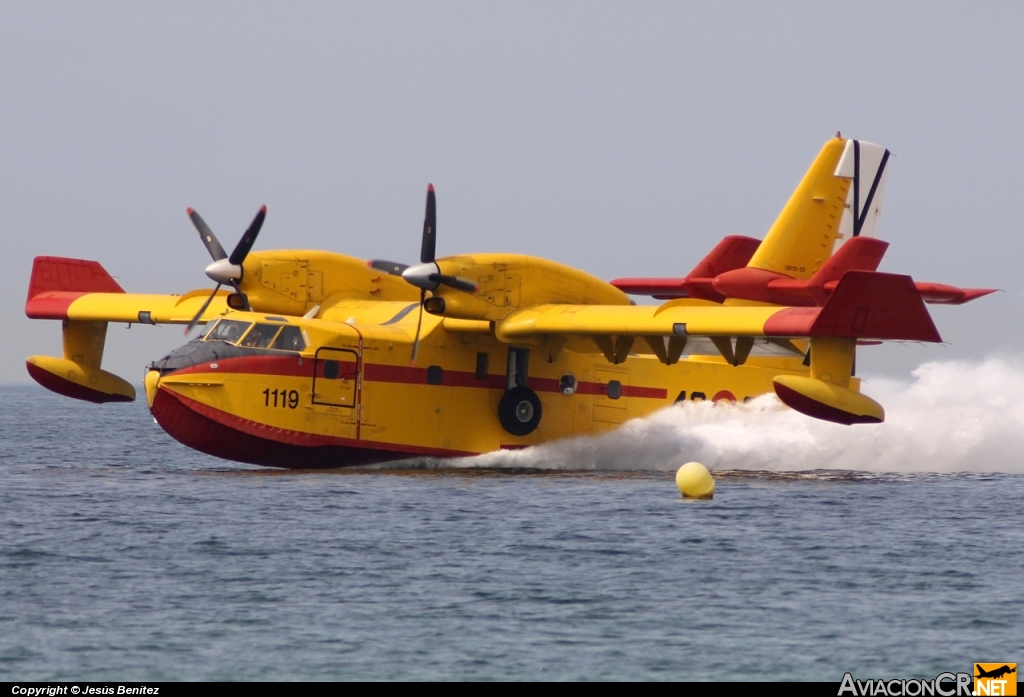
127,307
864,305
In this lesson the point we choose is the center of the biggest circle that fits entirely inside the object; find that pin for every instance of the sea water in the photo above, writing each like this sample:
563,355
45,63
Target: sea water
891,551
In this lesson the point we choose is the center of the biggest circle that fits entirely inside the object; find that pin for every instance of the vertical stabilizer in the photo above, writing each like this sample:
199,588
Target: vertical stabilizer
864,164
804,234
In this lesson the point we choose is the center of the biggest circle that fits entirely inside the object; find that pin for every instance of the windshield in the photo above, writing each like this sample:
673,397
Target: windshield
290,339
228,331
260,336
265,336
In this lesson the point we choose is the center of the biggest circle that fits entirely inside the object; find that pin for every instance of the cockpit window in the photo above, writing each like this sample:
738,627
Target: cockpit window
260,336
228,330
290,339
204,330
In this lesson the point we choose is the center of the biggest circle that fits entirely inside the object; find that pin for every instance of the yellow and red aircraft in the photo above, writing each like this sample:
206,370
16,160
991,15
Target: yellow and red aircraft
322,360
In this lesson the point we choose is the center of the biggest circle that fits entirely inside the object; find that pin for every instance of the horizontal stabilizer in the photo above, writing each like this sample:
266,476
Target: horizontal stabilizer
760,285
661,288
857,254
941,294
732,252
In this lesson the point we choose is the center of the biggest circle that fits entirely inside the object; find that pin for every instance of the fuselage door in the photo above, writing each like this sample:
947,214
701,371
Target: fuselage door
336,379
611,403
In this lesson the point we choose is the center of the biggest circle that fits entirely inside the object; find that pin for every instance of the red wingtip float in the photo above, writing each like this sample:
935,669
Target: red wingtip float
307,363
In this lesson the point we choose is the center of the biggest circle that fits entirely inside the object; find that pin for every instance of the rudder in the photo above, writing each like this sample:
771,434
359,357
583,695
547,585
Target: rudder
840,196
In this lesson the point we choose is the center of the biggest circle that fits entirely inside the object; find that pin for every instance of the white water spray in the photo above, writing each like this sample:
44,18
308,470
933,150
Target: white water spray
949,417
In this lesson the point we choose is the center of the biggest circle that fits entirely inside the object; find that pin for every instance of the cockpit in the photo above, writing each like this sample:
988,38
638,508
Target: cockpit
231,338
277,337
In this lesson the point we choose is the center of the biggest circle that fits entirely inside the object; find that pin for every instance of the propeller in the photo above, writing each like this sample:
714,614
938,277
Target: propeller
427,274
225,270
389,267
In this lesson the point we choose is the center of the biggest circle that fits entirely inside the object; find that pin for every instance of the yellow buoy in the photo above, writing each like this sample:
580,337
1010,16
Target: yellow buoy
695,482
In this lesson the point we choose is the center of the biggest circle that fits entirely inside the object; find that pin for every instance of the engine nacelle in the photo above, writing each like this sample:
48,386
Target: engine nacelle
507,282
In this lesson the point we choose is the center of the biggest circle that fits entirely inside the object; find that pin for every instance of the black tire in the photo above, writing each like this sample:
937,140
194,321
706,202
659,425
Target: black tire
519,411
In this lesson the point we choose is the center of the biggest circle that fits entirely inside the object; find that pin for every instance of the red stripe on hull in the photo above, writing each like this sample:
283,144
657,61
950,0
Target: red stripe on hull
289,366
284,365
230,437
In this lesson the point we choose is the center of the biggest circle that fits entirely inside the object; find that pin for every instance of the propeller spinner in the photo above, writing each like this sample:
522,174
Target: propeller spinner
225,270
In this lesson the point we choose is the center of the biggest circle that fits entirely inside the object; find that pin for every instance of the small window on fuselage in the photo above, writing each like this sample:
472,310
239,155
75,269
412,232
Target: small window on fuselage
228,331
290,339
260,336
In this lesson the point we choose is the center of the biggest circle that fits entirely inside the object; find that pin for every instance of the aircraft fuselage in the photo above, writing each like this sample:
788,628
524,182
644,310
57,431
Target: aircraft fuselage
350,396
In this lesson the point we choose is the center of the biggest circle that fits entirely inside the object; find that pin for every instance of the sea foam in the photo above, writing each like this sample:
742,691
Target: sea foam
948,417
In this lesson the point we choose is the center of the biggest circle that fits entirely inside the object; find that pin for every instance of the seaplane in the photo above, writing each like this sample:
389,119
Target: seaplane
312,359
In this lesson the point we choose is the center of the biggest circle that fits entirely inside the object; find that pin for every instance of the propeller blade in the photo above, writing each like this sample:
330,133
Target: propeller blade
427,249
454,282
248,239
389,267
195,320
206,235
419,323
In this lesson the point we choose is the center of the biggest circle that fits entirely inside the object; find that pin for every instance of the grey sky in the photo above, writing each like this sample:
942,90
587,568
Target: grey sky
623,139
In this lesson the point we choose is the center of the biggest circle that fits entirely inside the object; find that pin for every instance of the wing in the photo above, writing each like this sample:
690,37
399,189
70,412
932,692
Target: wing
864,305
126,307
76,289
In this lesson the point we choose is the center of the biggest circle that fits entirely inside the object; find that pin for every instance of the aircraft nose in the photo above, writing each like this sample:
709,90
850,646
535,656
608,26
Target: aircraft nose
152,383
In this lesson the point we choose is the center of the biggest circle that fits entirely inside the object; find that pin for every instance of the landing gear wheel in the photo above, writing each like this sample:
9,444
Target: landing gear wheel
519,411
